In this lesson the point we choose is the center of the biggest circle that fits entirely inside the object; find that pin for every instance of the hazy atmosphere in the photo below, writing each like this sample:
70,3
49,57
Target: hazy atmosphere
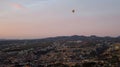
48,18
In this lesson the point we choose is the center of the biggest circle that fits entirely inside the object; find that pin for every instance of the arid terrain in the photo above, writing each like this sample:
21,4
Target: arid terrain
64,51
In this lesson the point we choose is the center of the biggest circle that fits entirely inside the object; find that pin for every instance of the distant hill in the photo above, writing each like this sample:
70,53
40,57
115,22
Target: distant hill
67,38
83,38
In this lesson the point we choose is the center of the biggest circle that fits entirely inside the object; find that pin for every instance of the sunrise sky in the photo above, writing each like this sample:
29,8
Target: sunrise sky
48,18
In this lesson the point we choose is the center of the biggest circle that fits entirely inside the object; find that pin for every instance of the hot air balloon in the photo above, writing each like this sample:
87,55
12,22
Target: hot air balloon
73,11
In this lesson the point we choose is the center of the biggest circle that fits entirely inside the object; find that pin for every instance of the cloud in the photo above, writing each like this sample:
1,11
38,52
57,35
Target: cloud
18,6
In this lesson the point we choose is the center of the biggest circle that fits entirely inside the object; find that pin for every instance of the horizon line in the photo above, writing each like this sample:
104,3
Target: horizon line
55,36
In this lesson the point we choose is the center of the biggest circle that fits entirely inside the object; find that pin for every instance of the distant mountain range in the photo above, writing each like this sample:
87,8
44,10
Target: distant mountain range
74,37
63,38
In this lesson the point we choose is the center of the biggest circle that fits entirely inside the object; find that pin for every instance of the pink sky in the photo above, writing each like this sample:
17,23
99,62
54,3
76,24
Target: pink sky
48,18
